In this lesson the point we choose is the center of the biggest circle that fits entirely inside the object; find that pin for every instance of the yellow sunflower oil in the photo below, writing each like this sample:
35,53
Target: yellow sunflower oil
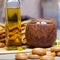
13,23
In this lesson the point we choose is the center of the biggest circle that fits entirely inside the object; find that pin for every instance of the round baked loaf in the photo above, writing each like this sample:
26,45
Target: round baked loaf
41,32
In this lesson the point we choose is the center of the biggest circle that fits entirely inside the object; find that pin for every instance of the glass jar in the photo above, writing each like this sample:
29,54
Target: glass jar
13,22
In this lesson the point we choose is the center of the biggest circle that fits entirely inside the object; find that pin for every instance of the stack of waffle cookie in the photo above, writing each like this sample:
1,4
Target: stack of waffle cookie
23,28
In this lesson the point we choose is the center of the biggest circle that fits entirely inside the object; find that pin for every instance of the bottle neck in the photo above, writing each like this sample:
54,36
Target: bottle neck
13,3
13,0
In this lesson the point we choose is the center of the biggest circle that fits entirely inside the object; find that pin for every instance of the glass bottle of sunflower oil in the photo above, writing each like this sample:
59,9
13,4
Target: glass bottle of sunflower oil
13,23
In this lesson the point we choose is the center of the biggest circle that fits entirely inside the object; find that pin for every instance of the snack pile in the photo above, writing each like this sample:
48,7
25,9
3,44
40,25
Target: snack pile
3,33
40,53
23,29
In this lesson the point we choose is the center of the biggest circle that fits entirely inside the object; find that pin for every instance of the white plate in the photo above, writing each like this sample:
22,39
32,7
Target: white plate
4,51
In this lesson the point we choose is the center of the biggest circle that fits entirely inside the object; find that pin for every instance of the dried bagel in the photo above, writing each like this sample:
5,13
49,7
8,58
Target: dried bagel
55,48
39,51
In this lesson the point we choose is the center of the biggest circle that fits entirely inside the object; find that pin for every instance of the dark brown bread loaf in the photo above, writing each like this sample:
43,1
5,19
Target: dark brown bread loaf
41,35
